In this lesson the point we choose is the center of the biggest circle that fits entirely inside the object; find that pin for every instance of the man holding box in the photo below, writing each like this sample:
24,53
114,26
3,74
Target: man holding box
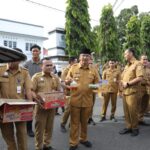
81,101
45,82
16,83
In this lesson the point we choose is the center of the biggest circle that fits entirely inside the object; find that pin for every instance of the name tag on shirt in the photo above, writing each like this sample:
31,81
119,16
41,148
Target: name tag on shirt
18,89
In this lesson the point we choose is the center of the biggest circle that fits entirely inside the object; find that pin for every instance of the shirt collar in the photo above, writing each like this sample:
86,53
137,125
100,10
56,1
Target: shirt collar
18,70
43,74
33,62
80,66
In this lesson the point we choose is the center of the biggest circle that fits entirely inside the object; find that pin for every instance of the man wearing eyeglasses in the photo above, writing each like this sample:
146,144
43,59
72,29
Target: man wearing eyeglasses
45,81
112,75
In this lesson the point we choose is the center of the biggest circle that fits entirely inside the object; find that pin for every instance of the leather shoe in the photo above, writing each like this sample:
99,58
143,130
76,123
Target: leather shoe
48,148
102,119
63,128
86,143
73,147
143,123
135,132
113,118
125,131
31,133
91,121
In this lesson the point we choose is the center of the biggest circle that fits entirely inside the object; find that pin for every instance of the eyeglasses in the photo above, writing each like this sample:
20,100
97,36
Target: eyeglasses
50,65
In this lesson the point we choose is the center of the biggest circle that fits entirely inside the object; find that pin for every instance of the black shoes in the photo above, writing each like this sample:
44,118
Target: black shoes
48,148
135,132
125,131
63,128
102,119
73,147
113,118
91,121
30,133
143,123
86,143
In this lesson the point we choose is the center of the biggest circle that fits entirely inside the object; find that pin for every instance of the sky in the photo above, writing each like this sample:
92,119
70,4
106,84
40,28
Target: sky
29,12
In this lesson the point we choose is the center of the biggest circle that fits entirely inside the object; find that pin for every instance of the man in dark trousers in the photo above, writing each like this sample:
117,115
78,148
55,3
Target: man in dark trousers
34,66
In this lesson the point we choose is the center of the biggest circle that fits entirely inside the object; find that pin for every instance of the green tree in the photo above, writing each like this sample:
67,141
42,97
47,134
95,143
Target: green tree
77,26
133,34
145,35
122,20
108,36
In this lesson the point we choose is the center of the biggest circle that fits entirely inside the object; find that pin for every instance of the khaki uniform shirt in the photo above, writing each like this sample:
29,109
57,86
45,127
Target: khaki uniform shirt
65,72
83,95
132,71
113,77
14,85
146,80
45,83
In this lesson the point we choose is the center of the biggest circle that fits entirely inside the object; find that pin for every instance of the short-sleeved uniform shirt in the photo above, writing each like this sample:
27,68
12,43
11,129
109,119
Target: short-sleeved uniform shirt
132,71
45,83
83,95
113,77
14,85
65,72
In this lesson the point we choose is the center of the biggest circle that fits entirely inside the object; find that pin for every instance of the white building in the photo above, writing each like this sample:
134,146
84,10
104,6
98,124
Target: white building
56,46
21,35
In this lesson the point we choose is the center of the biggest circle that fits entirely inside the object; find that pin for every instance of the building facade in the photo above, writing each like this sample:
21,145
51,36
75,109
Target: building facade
56,48
21,35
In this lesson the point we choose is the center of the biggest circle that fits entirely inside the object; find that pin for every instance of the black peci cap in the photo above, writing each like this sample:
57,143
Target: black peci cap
85,51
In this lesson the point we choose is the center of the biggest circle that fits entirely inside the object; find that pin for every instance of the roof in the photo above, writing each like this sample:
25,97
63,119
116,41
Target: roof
57,30
21,23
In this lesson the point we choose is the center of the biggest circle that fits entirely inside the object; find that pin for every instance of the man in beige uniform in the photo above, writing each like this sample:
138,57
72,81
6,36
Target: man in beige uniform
112,75
81,99
15,84
144,89
66,114
44,81
130,79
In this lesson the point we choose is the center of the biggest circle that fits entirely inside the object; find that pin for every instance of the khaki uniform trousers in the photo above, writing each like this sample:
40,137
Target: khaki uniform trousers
143,105
107,97
79,123
7,130
44,120
130,103
94,98
66,115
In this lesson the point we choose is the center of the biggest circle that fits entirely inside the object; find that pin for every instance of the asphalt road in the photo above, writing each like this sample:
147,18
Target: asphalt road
104,136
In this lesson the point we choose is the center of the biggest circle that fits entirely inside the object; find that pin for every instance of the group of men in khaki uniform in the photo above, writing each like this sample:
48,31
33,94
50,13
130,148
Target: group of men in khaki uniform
132,84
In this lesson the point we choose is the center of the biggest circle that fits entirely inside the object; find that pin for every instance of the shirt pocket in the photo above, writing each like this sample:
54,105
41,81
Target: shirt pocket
5,83
91,78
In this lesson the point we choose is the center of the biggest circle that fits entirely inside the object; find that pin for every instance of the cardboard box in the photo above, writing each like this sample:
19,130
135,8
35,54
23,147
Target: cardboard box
51,100
13,110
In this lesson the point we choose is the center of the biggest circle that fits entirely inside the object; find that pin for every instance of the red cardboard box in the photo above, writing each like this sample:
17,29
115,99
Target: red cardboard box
13,110
51,100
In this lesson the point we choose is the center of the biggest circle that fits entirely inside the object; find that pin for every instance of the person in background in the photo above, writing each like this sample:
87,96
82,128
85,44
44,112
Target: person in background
65,117
63,109
15,84
112,75
144,89
34,66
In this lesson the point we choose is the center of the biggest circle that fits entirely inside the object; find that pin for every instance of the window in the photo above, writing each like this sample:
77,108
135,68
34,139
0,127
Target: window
11,44
28,46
